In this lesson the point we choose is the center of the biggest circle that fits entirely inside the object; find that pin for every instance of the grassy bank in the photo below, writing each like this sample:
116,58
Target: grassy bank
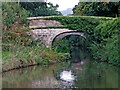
20,57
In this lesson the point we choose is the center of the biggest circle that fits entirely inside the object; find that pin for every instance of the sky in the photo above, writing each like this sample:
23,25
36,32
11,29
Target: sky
64,4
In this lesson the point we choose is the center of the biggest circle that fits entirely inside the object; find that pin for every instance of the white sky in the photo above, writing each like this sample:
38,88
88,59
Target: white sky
64,4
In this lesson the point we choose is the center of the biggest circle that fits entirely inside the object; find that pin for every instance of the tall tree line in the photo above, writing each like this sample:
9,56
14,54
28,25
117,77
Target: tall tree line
108,9
41,8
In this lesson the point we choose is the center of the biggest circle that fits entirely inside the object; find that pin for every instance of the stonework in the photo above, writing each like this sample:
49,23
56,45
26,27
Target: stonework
61,36
44,23
48,35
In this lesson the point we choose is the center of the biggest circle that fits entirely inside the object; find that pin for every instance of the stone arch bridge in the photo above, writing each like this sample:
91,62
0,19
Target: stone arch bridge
49,35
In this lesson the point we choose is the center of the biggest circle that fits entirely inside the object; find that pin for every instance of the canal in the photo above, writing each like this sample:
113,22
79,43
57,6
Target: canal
83,72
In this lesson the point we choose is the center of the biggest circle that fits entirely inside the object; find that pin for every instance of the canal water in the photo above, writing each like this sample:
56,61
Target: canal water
84,74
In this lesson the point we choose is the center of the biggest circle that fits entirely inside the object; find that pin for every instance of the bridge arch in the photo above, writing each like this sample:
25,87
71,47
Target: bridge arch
64,34
49,35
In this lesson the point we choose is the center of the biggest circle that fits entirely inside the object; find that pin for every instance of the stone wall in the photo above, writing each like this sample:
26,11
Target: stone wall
48,35
44,23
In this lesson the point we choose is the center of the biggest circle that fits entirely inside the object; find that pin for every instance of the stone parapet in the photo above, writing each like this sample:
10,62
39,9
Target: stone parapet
44,23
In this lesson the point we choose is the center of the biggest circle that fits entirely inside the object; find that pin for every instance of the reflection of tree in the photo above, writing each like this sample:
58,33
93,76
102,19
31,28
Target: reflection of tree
78,52
25,78
86,78
97,75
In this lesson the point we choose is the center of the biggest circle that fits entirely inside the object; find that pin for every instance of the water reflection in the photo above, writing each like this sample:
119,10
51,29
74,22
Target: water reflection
67,76
32,77
78,54
86,74
67,79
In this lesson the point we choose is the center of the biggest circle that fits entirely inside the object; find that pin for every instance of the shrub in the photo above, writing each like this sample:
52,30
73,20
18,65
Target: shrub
101,34
12,13
15,24
108,48
105,30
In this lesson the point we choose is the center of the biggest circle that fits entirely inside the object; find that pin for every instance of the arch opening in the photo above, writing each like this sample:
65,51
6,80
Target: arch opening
73,44
65,34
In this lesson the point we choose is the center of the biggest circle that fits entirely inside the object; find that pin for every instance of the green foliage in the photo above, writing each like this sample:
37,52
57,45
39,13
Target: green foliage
16,43
33,55
67,43
108,52
82,24
61,46
112,49
101,34
41,8
108,48
105,30
76,46
15,25
12,13
109,9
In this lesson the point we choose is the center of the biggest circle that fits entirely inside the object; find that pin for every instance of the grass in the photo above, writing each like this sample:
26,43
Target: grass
25,56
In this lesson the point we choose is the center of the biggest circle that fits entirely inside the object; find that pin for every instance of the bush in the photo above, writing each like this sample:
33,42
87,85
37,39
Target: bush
105,30
101,34
15,25
68,43
108,50
12,13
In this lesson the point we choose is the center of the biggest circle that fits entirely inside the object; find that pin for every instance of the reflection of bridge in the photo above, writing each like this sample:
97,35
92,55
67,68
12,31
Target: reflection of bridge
49,35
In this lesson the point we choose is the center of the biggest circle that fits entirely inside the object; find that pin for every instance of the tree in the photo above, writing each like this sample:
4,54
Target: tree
41,8
108,9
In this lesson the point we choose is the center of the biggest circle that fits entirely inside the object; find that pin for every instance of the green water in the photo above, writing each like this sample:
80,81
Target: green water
88,74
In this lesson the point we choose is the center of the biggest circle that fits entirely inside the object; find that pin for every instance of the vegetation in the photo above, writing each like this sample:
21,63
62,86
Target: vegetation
20,51
82,24
17,44
68,43
41,8
18,56
107,9
14,18
108,49
101,34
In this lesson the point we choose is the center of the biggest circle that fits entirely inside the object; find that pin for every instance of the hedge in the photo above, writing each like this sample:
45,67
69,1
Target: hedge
101,33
